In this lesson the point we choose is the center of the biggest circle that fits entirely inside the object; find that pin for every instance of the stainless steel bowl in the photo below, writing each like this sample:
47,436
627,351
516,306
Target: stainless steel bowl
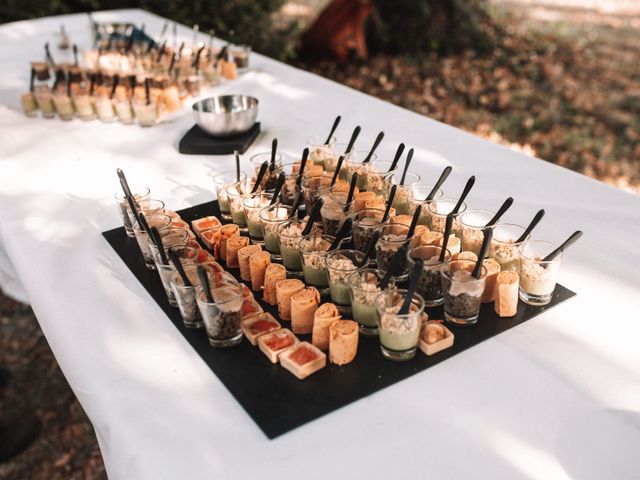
226,115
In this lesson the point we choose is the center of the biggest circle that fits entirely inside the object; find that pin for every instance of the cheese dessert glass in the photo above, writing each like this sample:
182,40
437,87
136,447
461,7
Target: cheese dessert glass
472,223
314,250
404,193
146,113
124,111
289,236
158,220
29,104
314,187
392,237
236,193
290,186
221,181
148,206
503,247
399,334
335,210
420,192
271,218
104,108
186,296
438,211
222,318
321,153
340,265
171,237
84,107
64,106
429,283
365,223
252,205
188,256
271,175
352,163
141,194
44,99
240,54
374,174
363,291
537,277
462,292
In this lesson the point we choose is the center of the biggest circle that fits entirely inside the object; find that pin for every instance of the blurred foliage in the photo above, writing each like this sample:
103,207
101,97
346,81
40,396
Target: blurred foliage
419,26
250,20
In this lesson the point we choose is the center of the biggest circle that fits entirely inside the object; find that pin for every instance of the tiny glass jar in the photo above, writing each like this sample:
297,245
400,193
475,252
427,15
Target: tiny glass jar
352,163
420,193
538,278
104,108
270,177
462,291
472,225
241,54
321,153
236,193
340,265
29,104
399,333
289,236
158,220
365,223
253,205
185,296
221,181
148,206
146,112
141,194
223,317
271,218
313,188
438,211
392,238
376,176
404,193
335,210
363,291
429,282
504,247
84,107
314,249
64,106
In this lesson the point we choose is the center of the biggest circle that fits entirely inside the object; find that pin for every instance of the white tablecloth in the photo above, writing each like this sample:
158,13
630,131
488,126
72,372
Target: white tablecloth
557,397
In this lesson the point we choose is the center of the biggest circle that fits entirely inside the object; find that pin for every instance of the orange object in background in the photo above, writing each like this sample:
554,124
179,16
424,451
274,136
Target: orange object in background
339,30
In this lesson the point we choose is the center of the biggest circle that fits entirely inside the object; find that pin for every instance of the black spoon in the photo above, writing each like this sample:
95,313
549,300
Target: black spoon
567,243
368,251
352,189
352,141
303,165
445,240
75,54
392,195
274,148
32,79
204,281
279,184
465,192
406,166
116,82
396,262
396,159
173,256
296,204
261,172
336,122
337,172
536,219
313,216
505,206
157,240
443,176
376,142
236,154
488,234
343,232
413,284
147,89
414,221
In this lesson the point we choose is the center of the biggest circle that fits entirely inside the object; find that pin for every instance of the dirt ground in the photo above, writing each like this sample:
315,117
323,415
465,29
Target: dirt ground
564,85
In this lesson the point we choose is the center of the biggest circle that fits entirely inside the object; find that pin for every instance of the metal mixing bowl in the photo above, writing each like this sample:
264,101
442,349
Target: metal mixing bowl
226,115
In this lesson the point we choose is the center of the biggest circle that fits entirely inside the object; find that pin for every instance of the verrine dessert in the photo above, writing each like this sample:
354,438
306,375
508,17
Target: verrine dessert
472,225
438,211
399,333
313,250
363,290
429,283
334,211
504,247
462,291
392,237
186,295
538,277
271,218
313,188
139,195
404,193
340,265
221,181
365,223
253,205
223,317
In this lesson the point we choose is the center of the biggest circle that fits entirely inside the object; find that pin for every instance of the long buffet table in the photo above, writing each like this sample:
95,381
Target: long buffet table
557,397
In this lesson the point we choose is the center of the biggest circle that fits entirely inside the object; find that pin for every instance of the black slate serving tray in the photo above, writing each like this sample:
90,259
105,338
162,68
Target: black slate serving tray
198,142
276,400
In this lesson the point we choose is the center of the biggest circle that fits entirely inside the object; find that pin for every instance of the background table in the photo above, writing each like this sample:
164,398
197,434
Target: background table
558,397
